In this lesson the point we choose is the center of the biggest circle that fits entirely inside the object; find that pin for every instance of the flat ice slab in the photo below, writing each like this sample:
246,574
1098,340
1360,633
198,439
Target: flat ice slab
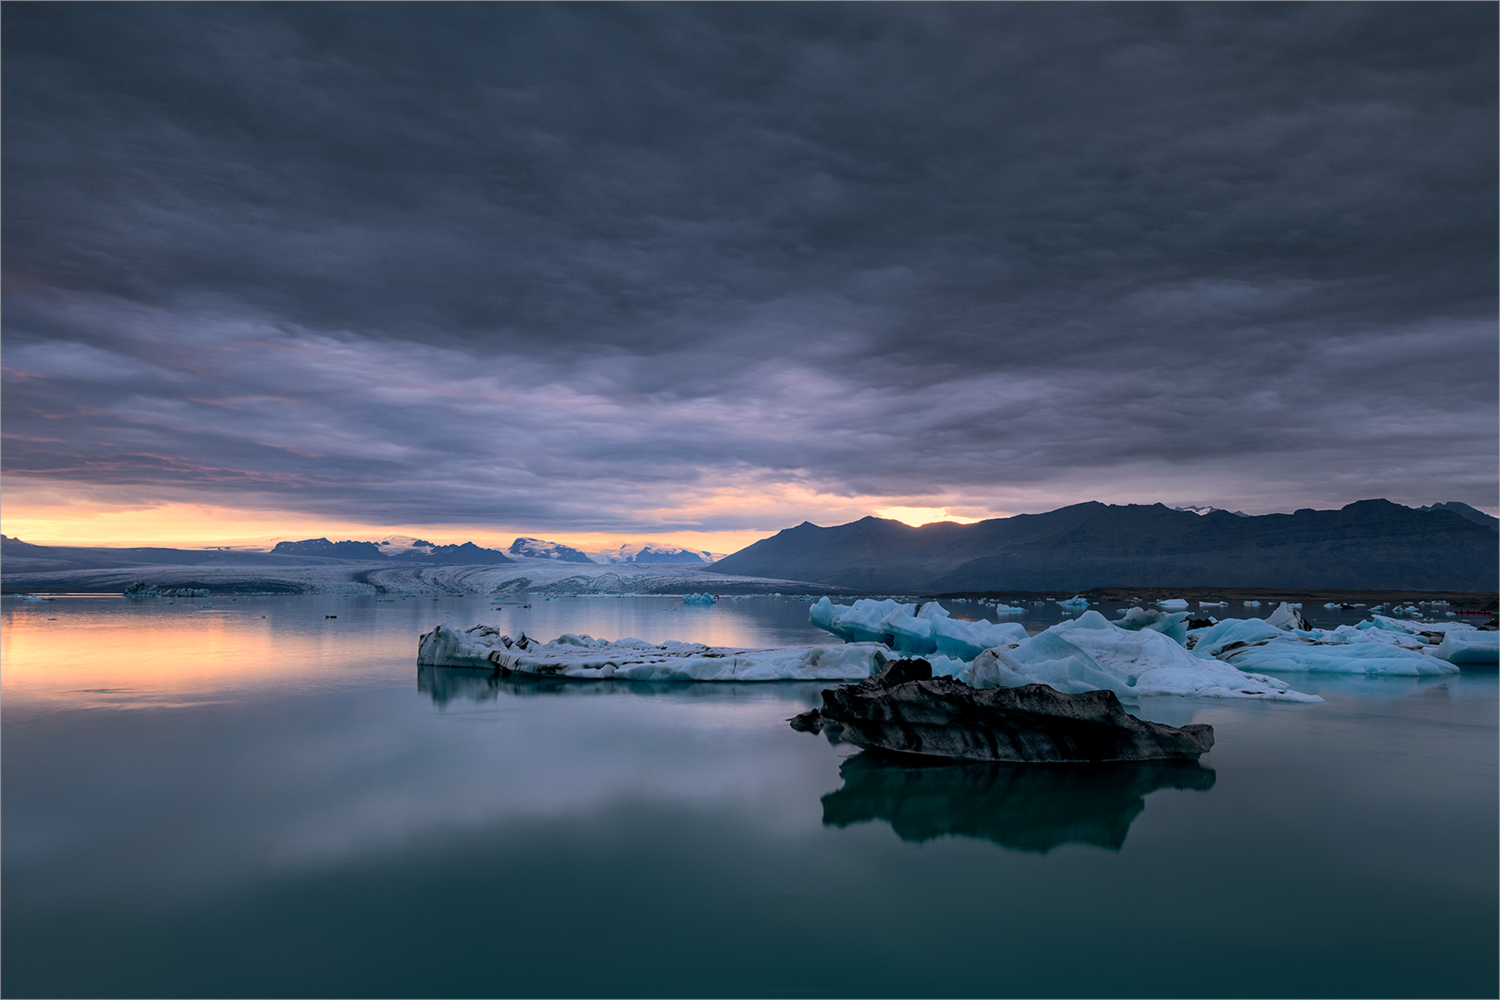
586,658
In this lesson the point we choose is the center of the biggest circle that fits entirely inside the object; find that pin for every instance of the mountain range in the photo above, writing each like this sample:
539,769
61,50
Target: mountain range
1368,545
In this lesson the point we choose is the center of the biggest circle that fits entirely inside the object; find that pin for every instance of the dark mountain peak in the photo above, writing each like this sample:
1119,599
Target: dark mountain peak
323,548
1371,544
1380,504
1466,512
468,552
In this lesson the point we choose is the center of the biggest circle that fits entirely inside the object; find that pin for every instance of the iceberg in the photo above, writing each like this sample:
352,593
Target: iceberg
1470,647
918,631
1286,616
1252,604
582,657
1369,649
1075,601
1091,654
701,600
906,710
1171,624
1172,604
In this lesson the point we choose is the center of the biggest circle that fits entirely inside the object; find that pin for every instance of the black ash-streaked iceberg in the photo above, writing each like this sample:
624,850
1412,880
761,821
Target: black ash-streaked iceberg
907,710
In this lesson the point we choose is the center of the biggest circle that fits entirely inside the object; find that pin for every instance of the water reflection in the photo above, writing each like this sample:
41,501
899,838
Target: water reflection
445,685
1025,807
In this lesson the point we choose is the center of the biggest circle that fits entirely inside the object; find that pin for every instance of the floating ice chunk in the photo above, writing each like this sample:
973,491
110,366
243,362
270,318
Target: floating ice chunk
1252,604
586,658
1213,604
1469,647
1076,601
1172,604
1285,617
703,600
1090,653
964,640
861,622
1171,624
913,630
1005,609
1252,643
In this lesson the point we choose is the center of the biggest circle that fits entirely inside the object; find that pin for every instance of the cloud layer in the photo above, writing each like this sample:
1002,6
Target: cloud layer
637,267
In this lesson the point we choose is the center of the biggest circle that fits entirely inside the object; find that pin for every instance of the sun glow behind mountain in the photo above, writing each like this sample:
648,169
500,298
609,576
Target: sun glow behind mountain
918,516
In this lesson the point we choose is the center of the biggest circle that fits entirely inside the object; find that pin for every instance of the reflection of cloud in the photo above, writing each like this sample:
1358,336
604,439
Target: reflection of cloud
1025,807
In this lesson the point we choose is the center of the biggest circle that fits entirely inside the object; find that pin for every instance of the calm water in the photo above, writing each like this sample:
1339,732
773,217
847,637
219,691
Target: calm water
248,798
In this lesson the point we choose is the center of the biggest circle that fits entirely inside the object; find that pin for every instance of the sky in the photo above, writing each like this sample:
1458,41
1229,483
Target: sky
690,274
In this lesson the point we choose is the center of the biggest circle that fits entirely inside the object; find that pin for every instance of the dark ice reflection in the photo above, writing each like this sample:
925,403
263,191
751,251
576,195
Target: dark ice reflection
445,685
1024,807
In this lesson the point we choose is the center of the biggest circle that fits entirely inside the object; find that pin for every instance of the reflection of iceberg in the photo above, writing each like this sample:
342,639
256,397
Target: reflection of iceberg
1025,807
479,684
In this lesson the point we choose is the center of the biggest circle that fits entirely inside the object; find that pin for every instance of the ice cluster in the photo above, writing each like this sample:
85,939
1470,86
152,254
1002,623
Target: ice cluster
703,600
1091,653
585,658
1141,655
913,630
1376,646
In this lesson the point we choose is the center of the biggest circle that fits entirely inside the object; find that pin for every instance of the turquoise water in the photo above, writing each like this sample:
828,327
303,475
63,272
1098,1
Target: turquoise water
199,800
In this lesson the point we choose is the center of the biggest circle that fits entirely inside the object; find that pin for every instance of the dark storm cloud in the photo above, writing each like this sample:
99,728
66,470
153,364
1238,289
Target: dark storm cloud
561,264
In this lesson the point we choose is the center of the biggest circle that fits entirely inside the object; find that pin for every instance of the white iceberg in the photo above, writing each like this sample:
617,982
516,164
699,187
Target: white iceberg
1005,609
1469,647
1172,604
1213,604
1252,604
1286,616
1092,654
584,658
1076,601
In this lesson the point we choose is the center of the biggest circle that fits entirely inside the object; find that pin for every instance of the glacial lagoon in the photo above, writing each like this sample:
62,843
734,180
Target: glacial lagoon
247,797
